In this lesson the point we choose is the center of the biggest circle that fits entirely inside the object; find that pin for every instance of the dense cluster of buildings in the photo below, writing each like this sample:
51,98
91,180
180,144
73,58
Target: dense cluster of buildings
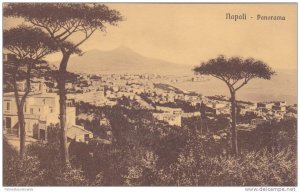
267,112
173,116
42,105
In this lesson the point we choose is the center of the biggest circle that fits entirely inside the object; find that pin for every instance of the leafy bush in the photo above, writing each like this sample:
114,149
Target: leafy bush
148,153
41,166
20,172
252,169
71,177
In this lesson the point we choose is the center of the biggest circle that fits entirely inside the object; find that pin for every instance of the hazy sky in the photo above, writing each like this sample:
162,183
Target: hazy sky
191,33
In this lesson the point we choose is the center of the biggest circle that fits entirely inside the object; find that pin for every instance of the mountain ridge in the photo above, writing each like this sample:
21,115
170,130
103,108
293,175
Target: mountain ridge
122,59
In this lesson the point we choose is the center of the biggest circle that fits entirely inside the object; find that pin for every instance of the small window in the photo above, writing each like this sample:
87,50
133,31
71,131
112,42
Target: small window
31,110
25,108
8,106
86,136
8,122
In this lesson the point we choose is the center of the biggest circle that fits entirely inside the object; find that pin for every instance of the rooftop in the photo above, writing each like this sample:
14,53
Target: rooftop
76,130
11,94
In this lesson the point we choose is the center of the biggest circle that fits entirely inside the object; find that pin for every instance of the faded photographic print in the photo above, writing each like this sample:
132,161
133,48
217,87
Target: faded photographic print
149,94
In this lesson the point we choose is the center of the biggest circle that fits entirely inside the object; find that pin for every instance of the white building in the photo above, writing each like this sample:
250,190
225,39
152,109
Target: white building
174,111
79,134
171,119
191,114
170,115
40,110
266,105
257,121
279,108
38,87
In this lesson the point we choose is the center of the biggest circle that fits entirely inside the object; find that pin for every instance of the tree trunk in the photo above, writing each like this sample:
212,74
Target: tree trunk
201,126
233,124
20,107
21,112
22,133
62,109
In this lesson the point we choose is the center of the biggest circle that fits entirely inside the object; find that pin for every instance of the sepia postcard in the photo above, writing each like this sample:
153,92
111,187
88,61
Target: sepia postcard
150,94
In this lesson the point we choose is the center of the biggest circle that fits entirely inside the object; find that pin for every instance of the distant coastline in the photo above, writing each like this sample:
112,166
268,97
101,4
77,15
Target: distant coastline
244,95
